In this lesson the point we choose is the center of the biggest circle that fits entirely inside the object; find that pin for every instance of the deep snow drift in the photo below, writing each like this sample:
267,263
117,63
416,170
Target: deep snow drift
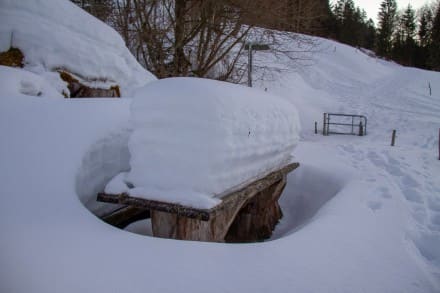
56,35
194,140
359,215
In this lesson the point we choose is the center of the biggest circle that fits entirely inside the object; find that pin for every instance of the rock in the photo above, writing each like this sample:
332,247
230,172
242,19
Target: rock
79,90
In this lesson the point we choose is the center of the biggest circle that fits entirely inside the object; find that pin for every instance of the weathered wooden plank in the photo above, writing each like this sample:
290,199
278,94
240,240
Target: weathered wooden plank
177,209
229,199
254,187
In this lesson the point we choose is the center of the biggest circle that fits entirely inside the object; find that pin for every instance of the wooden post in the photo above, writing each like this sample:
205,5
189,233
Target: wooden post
361,129
430,90
316,127
324,124
393,138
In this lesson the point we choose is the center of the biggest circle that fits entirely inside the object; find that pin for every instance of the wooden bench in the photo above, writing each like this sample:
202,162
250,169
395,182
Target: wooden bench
247,214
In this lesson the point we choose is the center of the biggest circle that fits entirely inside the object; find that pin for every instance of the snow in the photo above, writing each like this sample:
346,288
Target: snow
55,35
359,215
195,139
16,82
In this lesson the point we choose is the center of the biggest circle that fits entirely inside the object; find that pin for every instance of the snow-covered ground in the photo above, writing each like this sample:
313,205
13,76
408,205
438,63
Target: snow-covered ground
359,215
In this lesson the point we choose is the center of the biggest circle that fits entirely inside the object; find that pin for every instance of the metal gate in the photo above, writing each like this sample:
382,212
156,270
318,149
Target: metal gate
344,124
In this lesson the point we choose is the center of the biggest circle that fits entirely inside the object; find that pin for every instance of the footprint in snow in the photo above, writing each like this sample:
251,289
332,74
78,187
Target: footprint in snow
409,181
412,195
385,192
374,205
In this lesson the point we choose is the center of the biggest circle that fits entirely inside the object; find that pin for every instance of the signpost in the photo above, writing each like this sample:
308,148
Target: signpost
250,46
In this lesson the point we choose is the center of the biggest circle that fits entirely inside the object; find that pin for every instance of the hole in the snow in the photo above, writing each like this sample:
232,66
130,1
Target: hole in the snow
307,190
104,159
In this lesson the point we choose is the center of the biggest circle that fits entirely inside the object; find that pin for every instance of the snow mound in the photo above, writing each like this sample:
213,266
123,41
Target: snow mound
16,82
194,139
56,34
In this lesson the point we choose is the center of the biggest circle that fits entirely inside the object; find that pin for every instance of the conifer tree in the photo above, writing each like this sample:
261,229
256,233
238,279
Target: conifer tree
352,26
435,41
425,26
409,24
387,19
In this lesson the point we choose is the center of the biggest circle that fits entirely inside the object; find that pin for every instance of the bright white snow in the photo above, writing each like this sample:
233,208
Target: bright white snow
195,139
359,215
55,35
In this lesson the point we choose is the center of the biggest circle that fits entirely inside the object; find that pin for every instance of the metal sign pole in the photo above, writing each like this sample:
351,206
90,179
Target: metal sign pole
253,47
250,65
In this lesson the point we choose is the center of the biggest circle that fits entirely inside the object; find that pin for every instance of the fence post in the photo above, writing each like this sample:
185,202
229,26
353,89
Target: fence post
361,129
324,124
316,127
393,138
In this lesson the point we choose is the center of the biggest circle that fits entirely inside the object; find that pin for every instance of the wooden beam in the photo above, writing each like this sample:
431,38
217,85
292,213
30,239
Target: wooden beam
180,210
229,199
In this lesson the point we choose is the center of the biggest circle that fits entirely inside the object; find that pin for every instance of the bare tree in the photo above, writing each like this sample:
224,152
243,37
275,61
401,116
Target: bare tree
183,37
206,38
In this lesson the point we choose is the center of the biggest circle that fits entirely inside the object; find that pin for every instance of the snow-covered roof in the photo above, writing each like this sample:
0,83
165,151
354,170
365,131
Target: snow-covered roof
56,34
193,139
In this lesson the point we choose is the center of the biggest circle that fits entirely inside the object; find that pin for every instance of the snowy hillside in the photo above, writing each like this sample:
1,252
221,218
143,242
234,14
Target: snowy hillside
359,215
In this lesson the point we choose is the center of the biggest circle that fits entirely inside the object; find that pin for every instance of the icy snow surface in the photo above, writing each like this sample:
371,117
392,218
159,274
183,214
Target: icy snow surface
359,215
56,34
195,139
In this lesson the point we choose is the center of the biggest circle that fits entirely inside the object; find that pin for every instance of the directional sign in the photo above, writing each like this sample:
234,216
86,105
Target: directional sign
257,47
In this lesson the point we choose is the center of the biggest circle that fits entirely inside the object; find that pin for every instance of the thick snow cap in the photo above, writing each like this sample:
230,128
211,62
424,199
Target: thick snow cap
194,139
56,34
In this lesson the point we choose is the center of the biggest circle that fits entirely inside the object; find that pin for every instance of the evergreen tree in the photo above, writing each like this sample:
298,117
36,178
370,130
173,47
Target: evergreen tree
409,24
425,26
387,19
370,34
398,39
352,26
409,45
435,42
424,37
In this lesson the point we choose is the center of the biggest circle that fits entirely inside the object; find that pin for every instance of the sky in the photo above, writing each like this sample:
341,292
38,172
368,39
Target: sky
372,6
